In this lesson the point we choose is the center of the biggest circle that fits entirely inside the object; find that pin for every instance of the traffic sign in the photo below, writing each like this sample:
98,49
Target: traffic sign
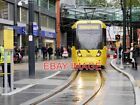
8,39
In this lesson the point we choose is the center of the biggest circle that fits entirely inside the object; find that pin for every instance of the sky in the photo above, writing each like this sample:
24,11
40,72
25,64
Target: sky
70,2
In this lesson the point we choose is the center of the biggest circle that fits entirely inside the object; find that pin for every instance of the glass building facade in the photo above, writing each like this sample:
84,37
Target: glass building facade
44,10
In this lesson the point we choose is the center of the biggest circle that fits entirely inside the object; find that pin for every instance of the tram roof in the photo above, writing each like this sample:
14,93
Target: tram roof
74,26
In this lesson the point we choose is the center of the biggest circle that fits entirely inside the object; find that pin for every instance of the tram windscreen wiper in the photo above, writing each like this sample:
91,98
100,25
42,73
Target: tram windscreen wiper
87,50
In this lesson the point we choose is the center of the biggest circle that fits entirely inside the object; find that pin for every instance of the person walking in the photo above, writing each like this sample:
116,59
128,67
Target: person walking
43,49
133,55
61,51
8,65
69,51
57,52
36,52
50,52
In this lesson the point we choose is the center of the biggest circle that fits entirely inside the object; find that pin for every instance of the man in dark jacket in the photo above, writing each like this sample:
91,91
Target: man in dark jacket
44,52
134,55
50,52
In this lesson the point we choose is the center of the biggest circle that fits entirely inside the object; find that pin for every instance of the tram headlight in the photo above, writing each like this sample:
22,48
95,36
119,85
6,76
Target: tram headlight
98,53
79,54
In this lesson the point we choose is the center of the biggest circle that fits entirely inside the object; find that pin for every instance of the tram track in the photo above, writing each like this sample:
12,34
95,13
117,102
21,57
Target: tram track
73,90
82,96
117,86
83,89
46,96
94,95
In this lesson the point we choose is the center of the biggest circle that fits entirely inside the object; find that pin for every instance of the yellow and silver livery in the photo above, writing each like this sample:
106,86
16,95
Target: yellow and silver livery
89,43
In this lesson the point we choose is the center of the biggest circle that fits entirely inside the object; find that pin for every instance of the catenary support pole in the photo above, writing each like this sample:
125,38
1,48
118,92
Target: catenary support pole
31,46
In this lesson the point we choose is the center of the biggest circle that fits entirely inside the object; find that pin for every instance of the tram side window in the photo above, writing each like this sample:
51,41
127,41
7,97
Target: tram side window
74,37
104,36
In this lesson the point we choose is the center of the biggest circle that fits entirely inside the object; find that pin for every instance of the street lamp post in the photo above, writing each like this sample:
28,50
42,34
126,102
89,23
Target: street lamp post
130,21
123,2
31,46
15,21
39,24
31,49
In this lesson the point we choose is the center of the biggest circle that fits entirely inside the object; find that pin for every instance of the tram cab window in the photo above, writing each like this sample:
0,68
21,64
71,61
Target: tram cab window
89,39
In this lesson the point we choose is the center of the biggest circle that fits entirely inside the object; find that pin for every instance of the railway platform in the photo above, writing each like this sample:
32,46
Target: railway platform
29,88
45,81
132,74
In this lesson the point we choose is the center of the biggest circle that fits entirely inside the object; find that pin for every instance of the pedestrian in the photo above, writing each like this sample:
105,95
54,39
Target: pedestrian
8,65
36,52
133,55
50,52
46,53
120,49
61,51
65,53
57,52
43,49
69,51
127,56
22,51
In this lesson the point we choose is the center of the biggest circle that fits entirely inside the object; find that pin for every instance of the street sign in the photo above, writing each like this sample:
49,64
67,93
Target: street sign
30,37
8,39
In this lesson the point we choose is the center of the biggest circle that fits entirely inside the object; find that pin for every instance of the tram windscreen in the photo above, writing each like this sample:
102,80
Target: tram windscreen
89,36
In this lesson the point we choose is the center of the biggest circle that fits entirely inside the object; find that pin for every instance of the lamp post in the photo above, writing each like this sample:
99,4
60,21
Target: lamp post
15,21
124,25
39,24
123,4
31,47
130,21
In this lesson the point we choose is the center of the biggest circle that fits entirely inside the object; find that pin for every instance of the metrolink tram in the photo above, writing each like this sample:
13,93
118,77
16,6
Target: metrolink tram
89,43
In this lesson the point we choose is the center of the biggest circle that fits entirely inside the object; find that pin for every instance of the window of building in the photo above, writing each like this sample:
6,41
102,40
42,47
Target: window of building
44,4
24,15
44,20
51,23
11,11
3,9
36,17
52,5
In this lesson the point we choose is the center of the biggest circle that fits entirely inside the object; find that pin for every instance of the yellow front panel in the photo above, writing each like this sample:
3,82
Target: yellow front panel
89,57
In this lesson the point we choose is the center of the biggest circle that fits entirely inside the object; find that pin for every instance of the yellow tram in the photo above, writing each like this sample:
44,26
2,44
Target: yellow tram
89,43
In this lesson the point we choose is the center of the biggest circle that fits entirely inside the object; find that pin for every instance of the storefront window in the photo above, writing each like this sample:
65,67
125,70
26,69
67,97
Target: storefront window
3,9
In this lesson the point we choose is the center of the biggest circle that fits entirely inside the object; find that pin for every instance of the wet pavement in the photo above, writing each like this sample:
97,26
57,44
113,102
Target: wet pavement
44,82
85,85
117,90
135,73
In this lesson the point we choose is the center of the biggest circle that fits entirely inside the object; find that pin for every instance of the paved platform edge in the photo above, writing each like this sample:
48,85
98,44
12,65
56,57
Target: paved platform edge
131,78
27,86
40,98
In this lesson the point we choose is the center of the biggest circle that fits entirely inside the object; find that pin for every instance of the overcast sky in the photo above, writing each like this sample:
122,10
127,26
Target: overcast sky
70,2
